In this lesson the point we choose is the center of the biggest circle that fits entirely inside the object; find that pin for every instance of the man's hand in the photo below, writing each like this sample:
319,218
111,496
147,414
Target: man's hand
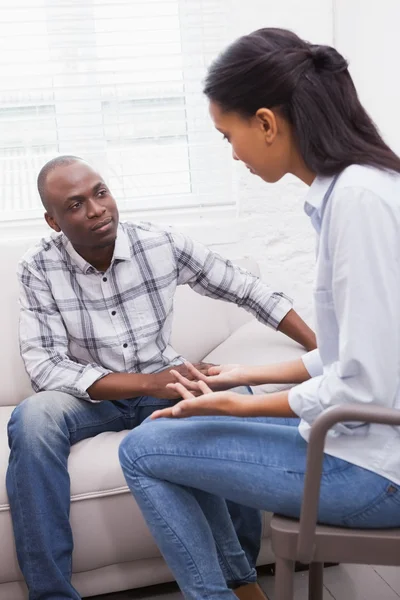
217,378
191,371
157,384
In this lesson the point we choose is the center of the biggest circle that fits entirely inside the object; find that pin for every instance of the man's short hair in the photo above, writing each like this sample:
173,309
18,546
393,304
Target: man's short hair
58,161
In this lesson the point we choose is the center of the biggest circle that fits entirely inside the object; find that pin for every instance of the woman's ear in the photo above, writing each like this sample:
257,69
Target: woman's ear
267,121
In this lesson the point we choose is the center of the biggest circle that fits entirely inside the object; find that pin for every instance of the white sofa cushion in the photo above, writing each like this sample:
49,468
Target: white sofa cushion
256,344
201,324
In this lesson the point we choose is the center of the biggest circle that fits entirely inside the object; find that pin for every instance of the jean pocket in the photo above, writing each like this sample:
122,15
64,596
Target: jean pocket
381,512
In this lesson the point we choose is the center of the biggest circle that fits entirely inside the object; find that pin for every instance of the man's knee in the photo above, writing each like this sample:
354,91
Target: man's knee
36,415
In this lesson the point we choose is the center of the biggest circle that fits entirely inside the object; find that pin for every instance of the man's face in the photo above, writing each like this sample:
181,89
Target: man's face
81,206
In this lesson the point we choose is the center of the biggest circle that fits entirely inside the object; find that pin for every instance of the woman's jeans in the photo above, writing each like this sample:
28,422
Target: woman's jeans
179,470
41,431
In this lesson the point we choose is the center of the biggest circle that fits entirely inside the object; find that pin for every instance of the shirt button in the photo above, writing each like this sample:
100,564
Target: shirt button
104,278
114,312
125,345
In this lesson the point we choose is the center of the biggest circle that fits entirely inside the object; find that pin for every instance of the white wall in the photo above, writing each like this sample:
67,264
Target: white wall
271,224
367,33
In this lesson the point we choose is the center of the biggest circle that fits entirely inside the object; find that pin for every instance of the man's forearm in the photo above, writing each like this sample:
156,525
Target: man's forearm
120,386
294,327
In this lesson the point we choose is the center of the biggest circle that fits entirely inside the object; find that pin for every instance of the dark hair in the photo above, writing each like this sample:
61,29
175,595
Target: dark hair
311,87
58,161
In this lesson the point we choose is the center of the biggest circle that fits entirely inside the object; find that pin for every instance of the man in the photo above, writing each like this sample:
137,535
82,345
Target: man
96,314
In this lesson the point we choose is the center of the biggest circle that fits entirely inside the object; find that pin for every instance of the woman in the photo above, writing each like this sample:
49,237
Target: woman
287,106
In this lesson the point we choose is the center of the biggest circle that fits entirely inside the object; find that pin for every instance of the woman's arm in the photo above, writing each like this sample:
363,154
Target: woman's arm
225,377
226,403
361,251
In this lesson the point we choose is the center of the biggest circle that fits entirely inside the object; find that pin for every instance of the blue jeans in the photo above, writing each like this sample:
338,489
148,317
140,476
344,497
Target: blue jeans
179,469
41,431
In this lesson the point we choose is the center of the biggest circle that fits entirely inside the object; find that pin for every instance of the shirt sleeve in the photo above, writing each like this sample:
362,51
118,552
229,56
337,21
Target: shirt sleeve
211,275
313,363
44,341
363,255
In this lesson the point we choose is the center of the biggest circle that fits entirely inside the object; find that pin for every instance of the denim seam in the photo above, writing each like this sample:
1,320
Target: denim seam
230,459
225,561
22,513
242,460
230,579
366,509
333,471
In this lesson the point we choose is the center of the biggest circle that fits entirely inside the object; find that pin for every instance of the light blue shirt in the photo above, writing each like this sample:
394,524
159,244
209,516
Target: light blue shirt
357,309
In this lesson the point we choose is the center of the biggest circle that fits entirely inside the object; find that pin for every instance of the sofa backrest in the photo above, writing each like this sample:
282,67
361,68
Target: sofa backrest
200,324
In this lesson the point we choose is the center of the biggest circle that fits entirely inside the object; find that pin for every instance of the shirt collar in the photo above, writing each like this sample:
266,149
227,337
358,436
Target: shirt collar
122,251
315,197
316,193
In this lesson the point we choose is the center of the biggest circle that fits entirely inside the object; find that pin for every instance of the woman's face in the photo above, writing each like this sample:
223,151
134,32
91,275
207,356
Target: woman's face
262,142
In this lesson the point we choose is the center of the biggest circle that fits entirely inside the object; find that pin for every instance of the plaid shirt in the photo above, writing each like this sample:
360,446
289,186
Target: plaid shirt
78,325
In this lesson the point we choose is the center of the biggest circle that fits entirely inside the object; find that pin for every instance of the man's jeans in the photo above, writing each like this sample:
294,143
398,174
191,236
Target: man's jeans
41,431
180,469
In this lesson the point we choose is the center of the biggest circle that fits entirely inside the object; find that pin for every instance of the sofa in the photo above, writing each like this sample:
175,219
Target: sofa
113,547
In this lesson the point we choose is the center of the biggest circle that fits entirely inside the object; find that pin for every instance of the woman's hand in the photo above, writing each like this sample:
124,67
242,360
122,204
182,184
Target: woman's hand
210,403
222,377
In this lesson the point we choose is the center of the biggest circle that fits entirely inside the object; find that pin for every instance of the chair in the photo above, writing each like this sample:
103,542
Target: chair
314,544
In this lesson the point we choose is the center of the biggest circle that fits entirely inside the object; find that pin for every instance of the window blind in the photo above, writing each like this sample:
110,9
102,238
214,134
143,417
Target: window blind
118,83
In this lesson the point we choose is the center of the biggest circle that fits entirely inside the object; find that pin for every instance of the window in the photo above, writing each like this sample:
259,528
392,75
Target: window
118,83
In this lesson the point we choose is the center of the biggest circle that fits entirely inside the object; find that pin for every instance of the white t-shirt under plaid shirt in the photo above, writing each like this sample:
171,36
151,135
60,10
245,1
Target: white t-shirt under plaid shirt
78,325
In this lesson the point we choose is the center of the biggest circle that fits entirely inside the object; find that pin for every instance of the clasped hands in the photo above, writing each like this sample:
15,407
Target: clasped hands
206,394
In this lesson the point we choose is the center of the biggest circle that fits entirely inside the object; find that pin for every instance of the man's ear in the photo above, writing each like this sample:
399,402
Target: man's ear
51,222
